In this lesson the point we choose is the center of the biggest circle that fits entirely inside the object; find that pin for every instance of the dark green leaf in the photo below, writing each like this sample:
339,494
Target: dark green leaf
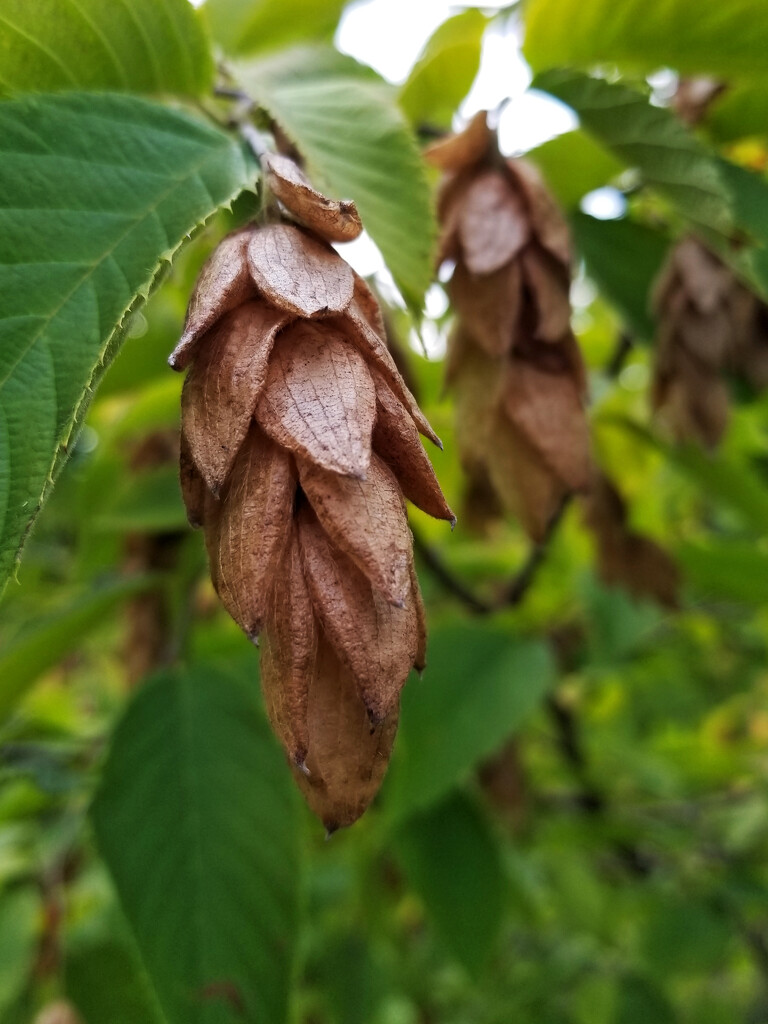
346,123
650,139
106,981
252,26
452,860
480,686
623,259
152,46
445,70
640,1002
197,820
727,570
704,36
95,191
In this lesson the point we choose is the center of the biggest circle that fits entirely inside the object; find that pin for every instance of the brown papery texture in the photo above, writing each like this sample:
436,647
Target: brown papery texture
513,364
709,325
300,443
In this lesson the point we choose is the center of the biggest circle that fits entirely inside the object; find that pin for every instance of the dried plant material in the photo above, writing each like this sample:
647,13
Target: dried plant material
546,408
548,287
348,756
298,273
455,152
365,519
513,362
375,349
247,537
396,436
378,642
224,283
192,485
493,225
491,303
223,385
709,324
320,401
288,654
694,96
280,387
625,558
336,221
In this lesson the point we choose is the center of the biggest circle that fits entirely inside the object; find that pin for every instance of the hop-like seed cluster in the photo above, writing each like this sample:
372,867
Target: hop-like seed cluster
514,363
300,442
708,324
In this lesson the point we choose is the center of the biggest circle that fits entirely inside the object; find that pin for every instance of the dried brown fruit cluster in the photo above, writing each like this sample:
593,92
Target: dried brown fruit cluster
513,364
299,443
625,558
708,324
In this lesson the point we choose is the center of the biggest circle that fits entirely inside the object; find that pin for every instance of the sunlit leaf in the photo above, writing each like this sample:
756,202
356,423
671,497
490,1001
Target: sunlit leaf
694,36
574,164
445,70
345,122
151,46
252,26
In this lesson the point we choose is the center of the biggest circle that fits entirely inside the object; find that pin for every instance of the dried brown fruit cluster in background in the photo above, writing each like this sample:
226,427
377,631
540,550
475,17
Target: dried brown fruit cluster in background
625,558
708,324
513,363
300,442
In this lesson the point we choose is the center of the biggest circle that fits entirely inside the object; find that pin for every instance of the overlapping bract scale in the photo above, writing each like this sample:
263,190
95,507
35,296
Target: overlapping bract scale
300,441
513,362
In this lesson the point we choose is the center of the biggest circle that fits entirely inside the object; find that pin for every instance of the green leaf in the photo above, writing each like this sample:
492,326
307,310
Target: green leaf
346,124
693,36
20,909
452,860
43,644
106,981
623,259
733,484
668,157
152,46
480,686
739,111
574,164
750,196
639,1002
252,26
727,569
148,502
95,191
197,820
445,70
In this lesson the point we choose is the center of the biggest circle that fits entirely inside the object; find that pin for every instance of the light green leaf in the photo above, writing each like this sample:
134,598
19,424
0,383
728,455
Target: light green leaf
445,70
197,820
20,909
346,124
452,860
574,164
731,483
148,502
43,644
480,686
152,46
252,26
95,191
693,36
668,157
623,258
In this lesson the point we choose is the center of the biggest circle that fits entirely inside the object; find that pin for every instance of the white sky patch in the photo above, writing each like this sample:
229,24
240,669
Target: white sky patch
604,203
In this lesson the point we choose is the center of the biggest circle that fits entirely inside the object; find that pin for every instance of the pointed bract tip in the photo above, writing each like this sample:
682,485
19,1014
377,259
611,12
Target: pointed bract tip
453,522
420,670
437,442
301,764
330,828
253,636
